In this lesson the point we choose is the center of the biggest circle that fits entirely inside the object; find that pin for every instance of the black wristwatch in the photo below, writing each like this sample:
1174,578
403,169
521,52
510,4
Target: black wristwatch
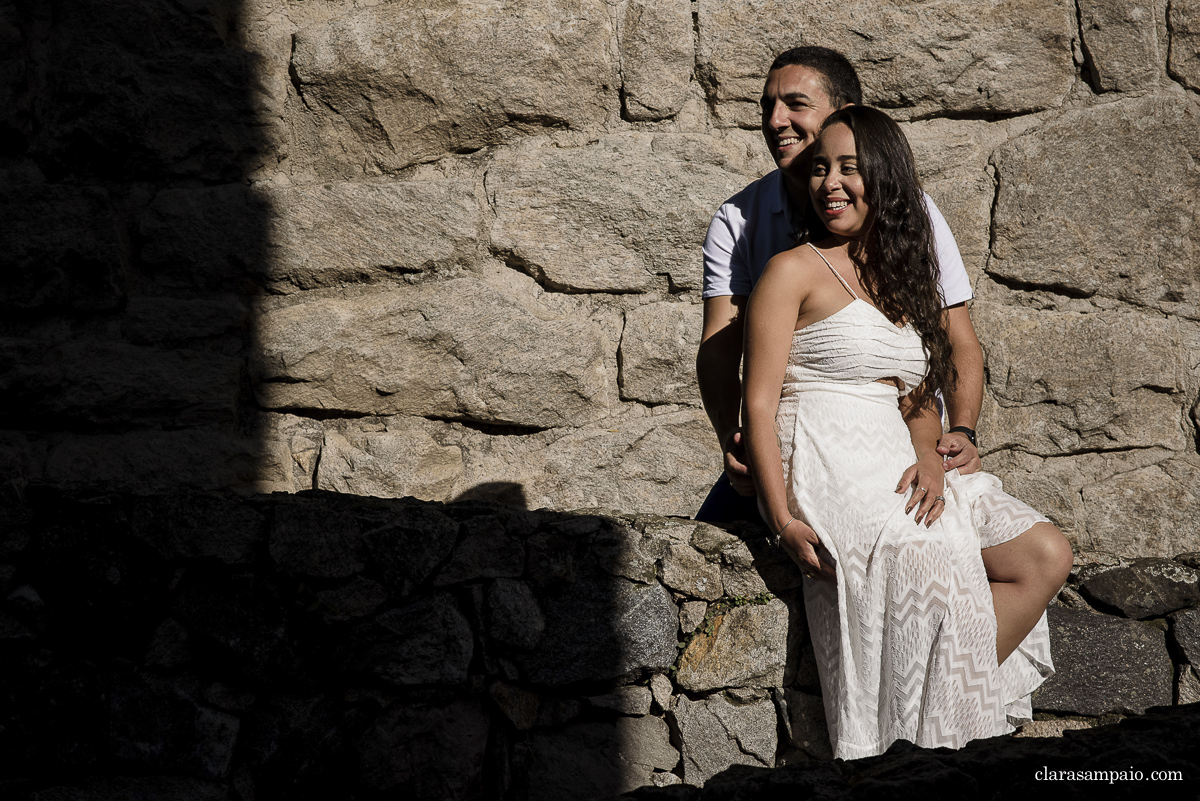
969,433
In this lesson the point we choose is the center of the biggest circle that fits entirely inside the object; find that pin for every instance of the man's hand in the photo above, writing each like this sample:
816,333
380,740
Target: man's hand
959,453
736,467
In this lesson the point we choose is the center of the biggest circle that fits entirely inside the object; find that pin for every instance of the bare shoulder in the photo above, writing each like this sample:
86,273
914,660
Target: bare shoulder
791,268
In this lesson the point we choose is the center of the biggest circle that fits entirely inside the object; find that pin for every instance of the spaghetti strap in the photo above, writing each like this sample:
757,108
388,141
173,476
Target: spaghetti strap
835,272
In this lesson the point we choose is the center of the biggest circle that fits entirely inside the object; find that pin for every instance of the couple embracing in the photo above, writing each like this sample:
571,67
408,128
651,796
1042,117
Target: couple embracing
836,285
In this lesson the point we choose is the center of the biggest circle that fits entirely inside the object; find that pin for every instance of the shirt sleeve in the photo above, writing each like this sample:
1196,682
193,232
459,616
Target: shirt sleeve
954,284
724,270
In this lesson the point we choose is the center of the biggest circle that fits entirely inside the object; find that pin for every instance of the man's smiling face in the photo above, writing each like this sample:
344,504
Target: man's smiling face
794,104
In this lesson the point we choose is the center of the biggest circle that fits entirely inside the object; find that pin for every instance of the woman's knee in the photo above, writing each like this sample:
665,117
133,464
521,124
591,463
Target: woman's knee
1050,548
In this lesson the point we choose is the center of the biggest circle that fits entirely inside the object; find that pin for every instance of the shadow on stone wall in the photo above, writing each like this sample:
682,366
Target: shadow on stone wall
318,645
123,342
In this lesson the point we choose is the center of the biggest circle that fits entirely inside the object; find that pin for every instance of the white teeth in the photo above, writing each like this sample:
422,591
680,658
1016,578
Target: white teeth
836,204
791,140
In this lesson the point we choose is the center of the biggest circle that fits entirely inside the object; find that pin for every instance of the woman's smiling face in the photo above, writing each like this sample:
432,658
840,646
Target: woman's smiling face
836,185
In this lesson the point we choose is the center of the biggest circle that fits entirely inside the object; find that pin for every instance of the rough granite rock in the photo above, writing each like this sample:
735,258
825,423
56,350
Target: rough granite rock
527,709
150,459
715,734
661,689
1090,680
658,348
1184,59
747,648
1123,43
452,348
429,751
1150,511
513,615
426,642
658,463
135,788
136,90
115,384
626,700
61,250
243,616
1185,634
691,615
690,573
484,550
1051,728
357,598
1065,236
613,215
320,235
806,725
307,540
390,85
198,525
903,52
1051,406
1187,685
598,629
657,56
592,761
410,547
1146,588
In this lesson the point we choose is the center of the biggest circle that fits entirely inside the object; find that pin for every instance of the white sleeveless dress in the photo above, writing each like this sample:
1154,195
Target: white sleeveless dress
906,640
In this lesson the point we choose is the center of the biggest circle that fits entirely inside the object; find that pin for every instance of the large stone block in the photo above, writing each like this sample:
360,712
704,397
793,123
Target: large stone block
302,237
593,761
601,629
716,734
1122,40
1104,664
748,647
114,383
426,642
1144,589
1183,19
657,57
411,81
612,215
196,458
1118,217
61,248
134,89
426,752
655,463
454,349
1139,502
952,159
658,353
919,58
1150,511
1121,386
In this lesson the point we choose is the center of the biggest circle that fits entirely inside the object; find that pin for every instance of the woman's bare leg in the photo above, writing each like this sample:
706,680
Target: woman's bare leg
1025,574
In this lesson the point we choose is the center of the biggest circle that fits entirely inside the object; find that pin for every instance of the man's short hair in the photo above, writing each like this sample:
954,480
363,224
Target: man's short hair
840,77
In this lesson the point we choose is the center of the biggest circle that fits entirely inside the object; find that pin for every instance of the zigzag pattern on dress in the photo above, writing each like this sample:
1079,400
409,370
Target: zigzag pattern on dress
906,640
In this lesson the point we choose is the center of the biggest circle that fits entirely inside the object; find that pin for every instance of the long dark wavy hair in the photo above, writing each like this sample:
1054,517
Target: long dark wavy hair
897,264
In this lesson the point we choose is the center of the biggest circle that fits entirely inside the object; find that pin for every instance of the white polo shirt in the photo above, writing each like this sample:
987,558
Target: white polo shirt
755,224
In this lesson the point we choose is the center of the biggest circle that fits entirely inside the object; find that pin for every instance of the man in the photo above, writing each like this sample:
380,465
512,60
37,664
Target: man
803,87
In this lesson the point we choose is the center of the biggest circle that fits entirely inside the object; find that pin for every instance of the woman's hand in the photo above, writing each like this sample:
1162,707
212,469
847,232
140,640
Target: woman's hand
800,542
928,480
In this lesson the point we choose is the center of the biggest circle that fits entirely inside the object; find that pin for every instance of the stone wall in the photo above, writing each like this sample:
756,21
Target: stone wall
450,249
197,645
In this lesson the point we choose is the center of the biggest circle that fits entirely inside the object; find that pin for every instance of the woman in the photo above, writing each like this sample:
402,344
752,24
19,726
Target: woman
845,348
